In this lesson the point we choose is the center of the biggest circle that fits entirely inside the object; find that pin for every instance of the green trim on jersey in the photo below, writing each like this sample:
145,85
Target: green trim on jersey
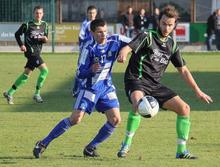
141,43
46,29
174,46
150,39
140,69
37,23
160,37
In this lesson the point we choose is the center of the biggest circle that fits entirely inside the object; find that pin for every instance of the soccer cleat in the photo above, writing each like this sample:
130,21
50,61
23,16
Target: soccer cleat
90,152
38,98
123,151
185,155
39,148
8,97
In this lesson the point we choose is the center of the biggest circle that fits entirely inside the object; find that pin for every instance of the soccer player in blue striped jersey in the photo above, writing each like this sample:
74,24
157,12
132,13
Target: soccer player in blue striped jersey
85,38
97,91
85,34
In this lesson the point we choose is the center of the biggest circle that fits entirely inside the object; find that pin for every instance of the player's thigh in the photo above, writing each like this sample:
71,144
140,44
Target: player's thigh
177,105
42,66
135,96
113,116
86,101
134,91
107,100
34,62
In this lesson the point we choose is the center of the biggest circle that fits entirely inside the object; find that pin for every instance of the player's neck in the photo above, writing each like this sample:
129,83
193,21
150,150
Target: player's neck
161,36
37,21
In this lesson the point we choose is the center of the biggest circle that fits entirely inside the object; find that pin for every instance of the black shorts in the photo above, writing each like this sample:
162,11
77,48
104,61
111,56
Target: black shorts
158,91
33,61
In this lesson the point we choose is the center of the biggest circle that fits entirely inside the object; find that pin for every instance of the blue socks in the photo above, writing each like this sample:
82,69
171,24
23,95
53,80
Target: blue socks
102,135
65,124
58,130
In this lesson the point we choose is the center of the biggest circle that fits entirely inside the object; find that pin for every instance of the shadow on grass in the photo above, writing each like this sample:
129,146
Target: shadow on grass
60,99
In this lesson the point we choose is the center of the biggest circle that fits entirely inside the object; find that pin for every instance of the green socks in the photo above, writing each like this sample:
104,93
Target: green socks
40,81
22,79
132,125
182,129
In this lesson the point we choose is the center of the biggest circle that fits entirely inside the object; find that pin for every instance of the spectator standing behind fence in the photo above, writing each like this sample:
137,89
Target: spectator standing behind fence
140,22
128,22
153,19
210,30
217,31
101,14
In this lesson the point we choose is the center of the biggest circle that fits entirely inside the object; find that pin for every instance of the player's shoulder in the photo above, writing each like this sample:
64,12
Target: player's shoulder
85,23
118,38
91,45
151,32
172,39
44,22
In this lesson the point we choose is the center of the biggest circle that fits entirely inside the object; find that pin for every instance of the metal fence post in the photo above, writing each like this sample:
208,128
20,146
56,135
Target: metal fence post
53,31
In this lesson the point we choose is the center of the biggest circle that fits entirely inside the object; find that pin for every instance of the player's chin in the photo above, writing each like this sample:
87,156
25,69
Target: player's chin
165,34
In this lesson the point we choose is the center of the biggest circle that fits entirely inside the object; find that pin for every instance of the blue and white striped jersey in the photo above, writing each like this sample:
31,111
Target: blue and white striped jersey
85,35
105,55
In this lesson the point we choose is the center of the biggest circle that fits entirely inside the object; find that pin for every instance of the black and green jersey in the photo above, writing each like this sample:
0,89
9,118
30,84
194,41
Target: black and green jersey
32,31
150,57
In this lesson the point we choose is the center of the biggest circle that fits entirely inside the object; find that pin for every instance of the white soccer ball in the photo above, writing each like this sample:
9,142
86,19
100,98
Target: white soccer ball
148,106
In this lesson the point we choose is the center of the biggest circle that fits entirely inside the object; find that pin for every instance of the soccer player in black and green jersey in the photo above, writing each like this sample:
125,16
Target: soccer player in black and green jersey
35,34
151,53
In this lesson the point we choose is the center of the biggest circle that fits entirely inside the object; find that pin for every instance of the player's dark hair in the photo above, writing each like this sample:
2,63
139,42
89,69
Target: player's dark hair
91,7
170,12
97,23
38,7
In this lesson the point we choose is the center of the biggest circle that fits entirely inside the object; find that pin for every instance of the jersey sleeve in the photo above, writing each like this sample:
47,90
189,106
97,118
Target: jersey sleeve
22,29
84,68
176,58
123,41
141,40
46,29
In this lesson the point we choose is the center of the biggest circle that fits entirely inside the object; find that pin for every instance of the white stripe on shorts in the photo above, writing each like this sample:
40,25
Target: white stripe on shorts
79,97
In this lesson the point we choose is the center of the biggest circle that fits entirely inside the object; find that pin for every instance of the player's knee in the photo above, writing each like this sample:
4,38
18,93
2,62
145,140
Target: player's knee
75,118
115,121
185,110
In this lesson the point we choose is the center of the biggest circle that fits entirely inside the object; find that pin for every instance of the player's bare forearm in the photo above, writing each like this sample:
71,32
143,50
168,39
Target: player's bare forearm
44,39
122,56
187,76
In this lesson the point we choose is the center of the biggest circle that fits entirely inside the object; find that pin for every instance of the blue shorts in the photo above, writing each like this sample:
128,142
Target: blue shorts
101,100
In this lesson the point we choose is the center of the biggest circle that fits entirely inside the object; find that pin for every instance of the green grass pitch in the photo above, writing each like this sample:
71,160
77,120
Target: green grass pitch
22,124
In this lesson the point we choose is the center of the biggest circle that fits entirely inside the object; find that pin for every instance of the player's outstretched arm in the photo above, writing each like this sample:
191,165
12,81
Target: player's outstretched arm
122,56
187,76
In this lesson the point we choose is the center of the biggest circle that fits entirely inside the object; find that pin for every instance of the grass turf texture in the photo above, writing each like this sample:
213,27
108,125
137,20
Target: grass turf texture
154,144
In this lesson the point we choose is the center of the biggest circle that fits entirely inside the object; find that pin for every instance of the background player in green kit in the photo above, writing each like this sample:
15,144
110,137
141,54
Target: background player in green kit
35,34
151,53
